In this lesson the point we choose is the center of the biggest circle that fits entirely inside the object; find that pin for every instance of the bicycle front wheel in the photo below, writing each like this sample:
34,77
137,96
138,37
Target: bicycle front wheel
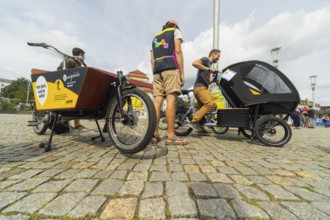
40,120
131,132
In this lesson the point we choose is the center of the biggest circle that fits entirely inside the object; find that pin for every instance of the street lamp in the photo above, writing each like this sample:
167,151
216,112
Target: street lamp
275,53
28,93
313,83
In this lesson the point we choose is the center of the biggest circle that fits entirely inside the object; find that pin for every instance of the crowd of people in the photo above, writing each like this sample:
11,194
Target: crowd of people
306,117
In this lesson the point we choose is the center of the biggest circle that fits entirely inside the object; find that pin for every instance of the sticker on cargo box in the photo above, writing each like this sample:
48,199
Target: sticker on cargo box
41,89
228,74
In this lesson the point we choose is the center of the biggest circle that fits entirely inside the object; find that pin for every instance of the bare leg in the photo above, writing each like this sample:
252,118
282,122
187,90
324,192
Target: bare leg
170,114
158,104
76,122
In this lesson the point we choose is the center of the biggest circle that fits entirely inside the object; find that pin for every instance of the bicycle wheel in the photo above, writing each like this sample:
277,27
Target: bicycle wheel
133,131
246,132
272,131
181,126
40,120
219,130
162,121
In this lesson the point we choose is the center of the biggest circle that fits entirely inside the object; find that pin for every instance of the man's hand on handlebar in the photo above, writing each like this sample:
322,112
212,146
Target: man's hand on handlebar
211,70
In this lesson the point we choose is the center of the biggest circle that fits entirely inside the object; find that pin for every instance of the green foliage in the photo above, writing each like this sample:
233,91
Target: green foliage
17,90
6,105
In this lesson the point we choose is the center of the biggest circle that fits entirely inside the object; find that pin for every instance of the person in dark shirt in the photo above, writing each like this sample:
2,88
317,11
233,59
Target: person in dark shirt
201,91
311,114
295,115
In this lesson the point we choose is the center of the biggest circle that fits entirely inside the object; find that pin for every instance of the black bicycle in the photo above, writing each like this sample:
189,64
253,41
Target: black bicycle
91,93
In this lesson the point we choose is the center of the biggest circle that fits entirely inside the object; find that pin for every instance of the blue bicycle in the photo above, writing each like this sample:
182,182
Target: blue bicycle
185,115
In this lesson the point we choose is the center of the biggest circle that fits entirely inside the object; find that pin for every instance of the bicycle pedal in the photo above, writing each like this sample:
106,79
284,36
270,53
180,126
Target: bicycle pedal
32,123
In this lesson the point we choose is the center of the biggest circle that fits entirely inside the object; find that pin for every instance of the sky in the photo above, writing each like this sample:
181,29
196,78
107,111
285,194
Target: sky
118,34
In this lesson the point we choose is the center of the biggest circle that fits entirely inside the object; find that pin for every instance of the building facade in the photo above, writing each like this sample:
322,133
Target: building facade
4,83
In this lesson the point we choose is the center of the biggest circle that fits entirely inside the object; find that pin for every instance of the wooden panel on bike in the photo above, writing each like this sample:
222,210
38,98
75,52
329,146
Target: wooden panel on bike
72,89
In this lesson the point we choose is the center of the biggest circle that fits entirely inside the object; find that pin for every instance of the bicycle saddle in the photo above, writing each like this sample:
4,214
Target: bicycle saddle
186,91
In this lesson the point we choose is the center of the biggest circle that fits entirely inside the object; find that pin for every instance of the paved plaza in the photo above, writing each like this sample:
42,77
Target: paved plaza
213,177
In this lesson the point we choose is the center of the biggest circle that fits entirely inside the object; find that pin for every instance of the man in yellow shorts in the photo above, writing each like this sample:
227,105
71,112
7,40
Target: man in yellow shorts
167,66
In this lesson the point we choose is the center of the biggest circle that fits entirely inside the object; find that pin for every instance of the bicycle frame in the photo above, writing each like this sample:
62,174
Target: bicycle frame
193,110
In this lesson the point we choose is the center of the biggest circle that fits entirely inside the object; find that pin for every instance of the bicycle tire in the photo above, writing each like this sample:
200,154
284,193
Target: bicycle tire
219,130
267,128
40,126
181,129
246,132
162,125
132,132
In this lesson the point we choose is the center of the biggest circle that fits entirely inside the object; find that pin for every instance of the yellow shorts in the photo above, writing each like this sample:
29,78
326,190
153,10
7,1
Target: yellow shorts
167,82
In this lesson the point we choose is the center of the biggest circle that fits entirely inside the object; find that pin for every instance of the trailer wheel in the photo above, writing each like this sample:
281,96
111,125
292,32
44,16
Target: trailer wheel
272,131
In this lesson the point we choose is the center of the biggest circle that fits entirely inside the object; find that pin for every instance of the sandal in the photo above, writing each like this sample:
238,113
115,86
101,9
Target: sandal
155,139
175,141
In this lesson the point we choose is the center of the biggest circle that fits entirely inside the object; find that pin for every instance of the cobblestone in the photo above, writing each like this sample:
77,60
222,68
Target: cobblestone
305,211
120,209
201,189
31,203
108,187
153,189
251,192
244,210
132,187
63,204
152,209
88,206
217,208
9,197
276,211
52,186
278,192
180,206
82,185
213,177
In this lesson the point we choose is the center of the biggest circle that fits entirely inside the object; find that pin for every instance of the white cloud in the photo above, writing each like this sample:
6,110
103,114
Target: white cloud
304,39
118,34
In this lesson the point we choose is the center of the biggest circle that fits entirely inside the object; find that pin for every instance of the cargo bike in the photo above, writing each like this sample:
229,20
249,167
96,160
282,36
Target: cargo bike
94,94
260,99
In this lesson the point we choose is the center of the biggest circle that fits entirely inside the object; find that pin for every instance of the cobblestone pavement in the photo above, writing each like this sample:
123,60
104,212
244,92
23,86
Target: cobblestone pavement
213,177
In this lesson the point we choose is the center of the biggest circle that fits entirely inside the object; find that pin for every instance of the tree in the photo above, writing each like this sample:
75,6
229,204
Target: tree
17,90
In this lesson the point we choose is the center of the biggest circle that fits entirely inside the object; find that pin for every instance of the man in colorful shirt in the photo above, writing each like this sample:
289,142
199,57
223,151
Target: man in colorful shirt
167,66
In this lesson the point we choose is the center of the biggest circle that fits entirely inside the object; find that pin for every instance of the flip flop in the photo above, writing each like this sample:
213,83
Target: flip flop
175,141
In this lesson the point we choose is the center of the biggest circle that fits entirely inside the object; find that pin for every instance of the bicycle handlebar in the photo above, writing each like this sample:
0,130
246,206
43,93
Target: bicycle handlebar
46,46
37,44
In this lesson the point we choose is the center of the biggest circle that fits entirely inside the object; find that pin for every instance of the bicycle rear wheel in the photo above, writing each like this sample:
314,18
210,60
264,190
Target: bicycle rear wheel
131,132
219,130
162,121
181,126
